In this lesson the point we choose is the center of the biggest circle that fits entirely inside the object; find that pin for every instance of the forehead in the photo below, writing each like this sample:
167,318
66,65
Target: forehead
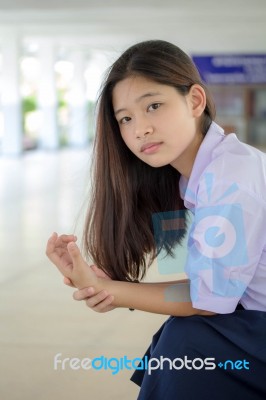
130,89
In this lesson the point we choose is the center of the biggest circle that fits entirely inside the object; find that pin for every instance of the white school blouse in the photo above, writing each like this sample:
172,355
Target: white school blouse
226,192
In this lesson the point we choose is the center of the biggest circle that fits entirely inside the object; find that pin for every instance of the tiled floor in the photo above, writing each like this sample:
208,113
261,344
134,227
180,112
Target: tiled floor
42,192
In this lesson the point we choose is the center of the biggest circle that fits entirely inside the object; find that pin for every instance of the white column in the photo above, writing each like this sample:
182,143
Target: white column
98,63
47,96
78,129
10,96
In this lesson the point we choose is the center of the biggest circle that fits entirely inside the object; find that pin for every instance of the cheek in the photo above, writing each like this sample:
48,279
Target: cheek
124,138
127,139
131,144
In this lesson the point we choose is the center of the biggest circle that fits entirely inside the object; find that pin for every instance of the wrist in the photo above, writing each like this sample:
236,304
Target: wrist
101,284
108,285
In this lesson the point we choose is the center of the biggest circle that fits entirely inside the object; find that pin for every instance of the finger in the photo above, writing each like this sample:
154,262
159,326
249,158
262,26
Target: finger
68,238
63,240
50,249
54,253
83,293
75,254
105,305
51,243
98,298
68,282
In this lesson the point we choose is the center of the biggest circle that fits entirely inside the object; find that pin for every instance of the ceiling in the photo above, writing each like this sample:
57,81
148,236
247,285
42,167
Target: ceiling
195,25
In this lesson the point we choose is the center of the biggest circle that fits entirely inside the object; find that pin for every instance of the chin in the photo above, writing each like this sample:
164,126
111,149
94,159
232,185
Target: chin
157,164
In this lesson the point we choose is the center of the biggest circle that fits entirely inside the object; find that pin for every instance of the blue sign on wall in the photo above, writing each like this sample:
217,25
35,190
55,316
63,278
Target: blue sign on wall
232,69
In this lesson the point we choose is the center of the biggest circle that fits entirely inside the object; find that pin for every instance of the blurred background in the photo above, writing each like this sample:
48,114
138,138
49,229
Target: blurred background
53,56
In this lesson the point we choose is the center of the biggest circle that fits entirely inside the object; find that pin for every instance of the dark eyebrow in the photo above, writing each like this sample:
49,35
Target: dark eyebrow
143,96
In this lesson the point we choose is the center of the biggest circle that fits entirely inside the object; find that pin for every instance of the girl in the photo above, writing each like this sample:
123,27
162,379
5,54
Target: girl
158,155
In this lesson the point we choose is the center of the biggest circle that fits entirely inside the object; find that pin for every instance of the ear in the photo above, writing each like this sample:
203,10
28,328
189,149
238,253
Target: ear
197,98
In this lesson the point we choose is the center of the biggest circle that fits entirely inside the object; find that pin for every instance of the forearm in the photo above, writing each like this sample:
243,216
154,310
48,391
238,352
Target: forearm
170,298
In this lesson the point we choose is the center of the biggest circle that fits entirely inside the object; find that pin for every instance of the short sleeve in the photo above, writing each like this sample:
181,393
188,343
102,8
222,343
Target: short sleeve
225,244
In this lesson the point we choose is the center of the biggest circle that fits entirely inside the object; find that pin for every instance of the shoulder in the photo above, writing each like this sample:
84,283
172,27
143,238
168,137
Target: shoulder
236,163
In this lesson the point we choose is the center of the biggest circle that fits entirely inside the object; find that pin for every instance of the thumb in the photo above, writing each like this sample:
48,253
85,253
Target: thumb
75,254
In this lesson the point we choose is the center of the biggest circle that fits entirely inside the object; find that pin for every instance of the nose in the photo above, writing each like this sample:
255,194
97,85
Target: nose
143,128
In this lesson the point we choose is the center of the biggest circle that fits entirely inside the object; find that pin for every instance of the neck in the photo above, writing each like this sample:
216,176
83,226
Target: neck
185,162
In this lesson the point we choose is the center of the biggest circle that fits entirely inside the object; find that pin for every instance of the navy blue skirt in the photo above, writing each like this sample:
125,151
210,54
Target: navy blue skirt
221,357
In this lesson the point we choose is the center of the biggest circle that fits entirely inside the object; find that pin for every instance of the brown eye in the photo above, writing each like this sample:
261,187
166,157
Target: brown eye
124,120
154,106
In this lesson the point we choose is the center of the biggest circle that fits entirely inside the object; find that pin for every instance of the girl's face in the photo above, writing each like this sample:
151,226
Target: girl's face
159,125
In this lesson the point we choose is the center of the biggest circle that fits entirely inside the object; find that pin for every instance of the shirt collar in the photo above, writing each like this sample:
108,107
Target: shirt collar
188,187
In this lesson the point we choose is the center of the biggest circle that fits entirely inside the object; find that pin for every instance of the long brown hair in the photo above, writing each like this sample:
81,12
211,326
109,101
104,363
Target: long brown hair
126,193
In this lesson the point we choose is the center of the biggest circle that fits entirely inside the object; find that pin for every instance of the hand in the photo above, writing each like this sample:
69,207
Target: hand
57,252
65,254
100,302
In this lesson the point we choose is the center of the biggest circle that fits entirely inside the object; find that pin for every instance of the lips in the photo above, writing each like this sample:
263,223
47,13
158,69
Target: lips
150,146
